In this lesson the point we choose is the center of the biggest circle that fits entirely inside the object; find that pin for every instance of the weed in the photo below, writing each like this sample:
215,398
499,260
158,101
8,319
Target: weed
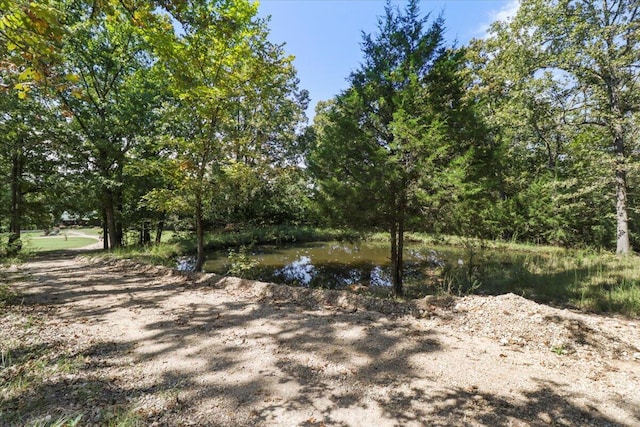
240,262
5,359
121,418
65,421
7,295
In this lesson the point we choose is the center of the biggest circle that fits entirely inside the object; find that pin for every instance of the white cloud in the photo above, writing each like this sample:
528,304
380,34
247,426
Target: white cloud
504,13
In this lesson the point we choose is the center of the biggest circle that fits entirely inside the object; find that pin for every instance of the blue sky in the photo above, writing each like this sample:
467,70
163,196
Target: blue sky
325,35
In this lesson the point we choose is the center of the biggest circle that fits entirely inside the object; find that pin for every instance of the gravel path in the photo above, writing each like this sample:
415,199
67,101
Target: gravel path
166,348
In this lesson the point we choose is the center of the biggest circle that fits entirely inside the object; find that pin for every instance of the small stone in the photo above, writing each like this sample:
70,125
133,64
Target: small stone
545,418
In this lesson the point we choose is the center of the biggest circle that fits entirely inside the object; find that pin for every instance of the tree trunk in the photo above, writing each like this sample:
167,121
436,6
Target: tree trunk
117,202
395,232
159,230
623,247
16,196
105,231
145,234
14,244
111,219
616,123
399,289
199,235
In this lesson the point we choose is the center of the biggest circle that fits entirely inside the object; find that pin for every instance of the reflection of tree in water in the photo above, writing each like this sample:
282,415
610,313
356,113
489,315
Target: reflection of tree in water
301,271
331,275
379,277
332,266
186,263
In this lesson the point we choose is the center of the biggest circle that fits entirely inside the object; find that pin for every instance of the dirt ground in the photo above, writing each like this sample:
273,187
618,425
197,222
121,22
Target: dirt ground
127,344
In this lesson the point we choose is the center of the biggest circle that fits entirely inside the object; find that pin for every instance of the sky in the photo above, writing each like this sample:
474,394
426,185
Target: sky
325,35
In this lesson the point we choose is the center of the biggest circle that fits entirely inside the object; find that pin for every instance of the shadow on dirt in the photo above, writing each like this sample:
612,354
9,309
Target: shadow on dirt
314,362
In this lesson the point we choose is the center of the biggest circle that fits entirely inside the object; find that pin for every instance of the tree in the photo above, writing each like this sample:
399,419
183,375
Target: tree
30,158
397,140
592,49
110,94
233,100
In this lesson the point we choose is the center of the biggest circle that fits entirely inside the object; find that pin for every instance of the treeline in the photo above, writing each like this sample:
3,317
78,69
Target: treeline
141,113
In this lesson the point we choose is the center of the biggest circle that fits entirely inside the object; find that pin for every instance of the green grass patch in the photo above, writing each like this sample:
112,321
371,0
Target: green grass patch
46,244
7,295
24,369
585,279
162,254
92,231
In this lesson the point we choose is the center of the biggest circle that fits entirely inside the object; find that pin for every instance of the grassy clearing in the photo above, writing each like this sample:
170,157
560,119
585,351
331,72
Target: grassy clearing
586,279
46,244
162,254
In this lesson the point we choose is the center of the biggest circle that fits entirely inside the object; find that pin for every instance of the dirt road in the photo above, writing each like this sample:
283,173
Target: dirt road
148,345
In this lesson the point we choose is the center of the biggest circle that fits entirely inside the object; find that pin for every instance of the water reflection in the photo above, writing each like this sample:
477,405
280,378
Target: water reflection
330,265
186,263
300,271
380,277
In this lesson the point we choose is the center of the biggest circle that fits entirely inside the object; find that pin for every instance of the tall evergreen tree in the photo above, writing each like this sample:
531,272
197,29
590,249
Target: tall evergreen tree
395,142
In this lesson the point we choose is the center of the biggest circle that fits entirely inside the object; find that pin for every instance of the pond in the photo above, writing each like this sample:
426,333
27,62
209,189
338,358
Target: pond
329,265
595,281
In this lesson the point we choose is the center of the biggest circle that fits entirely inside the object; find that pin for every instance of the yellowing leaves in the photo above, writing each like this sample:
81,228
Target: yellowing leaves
30,74
72,78
23,89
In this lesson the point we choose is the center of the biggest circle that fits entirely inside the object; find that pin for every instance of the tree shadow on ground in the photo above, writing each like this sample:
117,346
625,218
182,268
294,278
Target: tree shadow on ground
242,361
548,404
49,381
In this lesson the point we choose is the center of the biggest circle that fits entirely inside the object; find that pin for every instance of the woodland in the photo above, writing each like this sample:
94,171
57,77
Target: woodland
151,115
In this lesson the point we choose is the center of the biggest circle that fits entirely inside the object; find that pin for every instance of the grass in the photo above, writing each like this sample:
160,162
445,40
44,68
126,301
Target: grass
6,293
585,279
47,244
24,369
162,254
32,383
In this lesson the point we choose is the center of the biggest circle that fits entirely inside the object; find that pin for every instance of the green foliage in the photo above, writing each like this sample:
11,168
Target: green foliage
158,254
240,264
7,295
558,88
463,277
232,115
10,245
403,141
514,137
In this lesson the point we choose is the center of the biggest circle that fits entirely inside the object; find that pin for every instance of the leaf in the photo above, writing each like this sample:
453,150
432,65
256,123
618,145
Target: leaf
73,78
